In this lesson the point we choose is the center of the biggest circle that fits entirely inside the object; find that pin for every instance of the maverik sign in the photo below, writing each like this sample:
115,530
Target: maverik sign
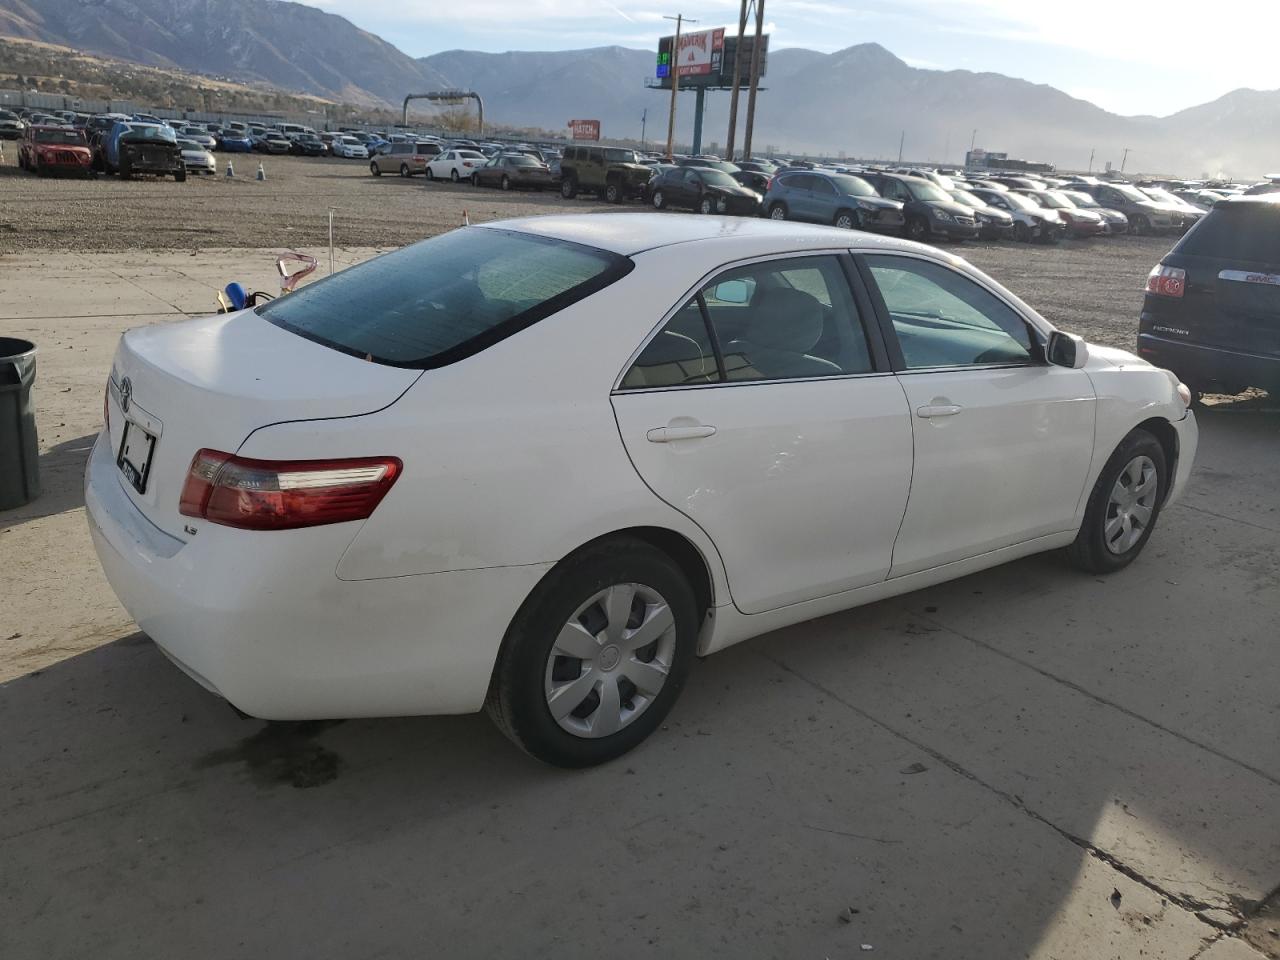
700,53
585,129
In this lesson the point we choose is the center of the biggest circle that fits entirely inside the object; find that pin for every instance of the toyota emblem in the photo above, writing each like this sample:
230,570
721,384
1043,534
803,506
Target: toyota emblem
126,393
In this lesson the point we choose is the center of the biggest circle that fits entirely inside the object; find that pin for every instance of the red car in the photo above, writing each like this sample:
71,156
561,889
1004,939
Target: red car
46,149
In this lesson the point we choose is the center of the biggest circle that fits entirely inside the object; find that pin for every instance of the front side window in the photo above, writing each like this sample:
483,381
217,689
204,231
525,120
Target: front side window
786,319
944,319
445,298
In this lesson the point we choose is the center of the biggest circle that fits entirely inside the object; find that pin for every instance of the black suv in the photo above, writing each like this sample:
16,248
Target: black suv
1212,308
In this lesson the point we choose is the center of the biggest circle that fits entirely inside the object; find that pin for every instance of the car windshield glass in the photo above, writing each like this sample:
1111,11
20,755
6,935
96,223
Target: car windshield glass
189,145
620,156
1158,193
1130,193
967,198
150,131
852,186
59,136
925,191
1047,199
716,178
445,298
1082,200
1019,202
351,141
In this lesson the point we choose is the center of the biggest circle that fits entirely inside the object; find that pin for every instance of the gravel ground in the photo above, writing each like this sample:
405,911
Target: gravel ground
1093,287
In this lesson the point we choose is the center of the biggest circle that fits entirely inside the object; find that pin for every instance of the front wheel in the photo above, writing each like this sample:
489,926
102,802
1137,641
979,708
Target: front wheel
568,188
453,175
1021,232
373,168
1124,506
778,212
612,192
659,201
596,656
706,207
404,170
848,220
917,230
475,179
1141,225
180,176
506,182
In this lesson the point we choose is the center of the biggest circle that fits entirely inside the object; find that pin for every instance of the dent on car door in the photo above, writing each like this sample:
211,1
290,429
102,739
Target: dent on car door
763,409
1003,440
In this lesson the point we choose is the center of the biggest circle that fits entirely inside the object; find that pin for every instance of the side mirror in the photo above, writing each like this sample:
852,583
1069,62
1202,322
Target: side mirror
232,298
1067,350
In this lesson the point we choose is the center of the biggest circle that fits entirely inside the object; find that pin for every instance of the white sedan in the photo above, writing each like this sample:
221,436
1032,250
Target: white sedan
540,465
456,165
349,148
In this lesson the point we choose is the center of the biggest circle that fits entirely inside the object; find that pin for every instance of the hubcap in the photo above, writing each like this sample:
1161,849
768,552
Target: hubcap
610,660
1133,499
845,222
657,199
777,213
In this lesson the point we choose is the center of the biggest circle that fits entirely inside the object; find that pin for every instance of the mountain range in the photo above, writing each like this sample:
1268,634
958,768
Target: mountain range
861,101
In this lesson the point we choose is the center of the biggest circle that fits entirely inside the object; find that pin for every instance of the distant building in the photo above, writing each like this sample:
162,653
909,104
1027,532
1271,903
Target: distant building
979,159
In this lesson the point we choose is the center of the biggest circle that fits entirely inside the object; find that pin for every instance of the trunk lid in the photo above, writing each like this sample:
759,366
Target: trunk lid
210,382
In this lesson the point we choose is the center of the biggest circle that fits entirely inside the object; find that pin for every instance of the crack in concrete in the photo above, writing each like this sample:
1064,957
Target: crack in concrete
1189,904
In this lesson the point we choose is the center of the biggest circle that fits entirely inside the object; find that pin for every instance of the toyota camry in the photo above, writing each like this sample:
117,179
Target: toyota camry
539,466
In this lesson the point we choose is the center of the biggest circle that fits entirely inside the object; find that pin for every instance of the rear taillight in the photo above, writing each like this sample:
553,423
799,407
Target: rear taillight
1166,281
284,494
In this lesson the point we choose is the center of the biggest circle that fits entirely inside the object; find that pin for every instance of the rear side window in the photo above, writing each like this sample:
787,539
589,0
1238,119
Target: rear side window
1239,232
445,298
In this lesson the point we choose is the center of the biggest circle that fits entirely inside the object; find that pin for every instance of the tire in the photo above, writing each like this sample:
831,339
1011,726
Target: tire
847,220
453,175
373,168
405,171
180,176
506,182
1102,546
778,211
475,179
659,201
917,229
706,207
126,170
574,594
569,187
612,192
1140,225
428,174
1021,232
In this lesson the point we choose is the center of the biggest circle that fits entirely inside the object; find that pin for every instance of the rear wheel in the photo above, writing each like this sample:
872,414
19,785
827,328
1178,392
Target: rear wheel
404,170
613,192
1123,507
126,170
659,201
596,656
453,175
506,182
373,168
848,220
705,206
1021,232
778,211
568,188
1140,225
475,179
917,229
180,176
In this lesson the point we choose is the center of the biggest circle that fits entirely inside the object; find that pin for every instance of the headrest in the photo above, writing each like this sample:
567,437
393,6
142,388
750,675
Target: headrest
786,319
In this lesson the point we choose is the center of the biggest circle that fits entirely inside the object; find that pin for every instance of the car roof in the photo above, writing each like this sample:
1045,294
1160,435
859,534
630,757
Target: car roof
633,233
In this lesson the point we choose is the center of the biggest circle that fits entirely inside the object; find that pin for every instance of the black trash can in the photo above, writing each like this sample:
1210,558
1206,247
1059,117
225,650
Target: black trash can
19,445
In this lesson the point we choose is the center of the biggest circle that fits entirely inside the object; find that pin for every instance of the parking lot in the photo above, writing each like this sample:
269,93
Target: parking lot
1028,762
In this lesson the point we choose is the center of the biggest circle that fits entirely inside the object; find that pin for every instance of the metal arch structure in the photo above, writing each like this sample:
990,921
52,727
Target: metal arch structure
446,95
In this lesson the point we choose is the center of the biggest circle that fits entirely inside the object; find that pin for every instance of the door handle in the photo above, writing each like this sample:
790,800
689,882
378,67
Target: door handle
931,410
690,432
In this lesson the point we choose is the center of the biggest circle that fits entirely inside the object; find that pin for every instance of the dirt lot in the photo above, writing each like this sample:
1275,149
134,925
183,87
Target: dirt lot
1023,763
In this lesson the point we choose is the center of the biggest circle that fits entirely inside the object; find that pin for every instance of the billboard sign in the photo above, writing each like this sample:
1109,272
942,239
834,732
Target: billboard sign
700,53
585,129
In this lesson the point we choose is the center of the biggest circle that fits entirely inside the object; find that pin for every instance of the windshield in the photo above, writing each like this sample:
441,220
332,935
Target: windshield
150,131
1052,201
716,178
721,165
967,198
1130,193
852,186
1082,200
189,145
59,136
621,156
445,298
351,141
1164,196
1019,202
925,191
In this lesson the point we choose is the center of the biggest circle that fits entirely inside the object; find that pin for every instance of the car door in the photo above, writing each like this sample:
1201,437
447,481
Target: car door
825,200
763,409
799,198
1003,440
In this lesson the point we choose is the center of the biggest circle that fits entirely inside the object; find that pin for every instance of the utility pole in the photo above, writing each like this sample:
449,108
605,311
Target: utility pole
1091,152
675,80
1124,159
755,79
973,140
901,140
644,119
737,80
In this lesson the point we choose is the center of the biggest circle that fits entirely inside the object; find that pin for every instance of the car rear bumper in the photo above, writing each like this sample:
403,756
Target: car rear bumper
262,619
1203,366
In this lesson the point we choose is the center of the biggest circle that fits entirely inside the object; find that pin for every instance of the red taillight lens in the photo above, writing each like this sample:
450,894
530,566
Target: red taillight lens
284,494
1166,281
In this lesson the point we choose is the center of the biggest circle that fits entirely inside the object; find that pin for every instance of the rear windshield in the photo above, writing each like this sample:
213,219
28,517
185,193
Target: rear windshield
445,298
1238,232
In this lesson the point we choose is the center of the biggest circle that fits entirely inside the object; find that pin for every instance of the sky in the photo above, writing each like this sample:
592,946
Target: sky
1135,57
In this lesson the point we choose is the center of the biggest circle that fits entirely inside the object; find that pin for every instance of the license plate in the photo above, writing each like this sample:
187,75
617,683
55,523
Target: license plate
134,459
